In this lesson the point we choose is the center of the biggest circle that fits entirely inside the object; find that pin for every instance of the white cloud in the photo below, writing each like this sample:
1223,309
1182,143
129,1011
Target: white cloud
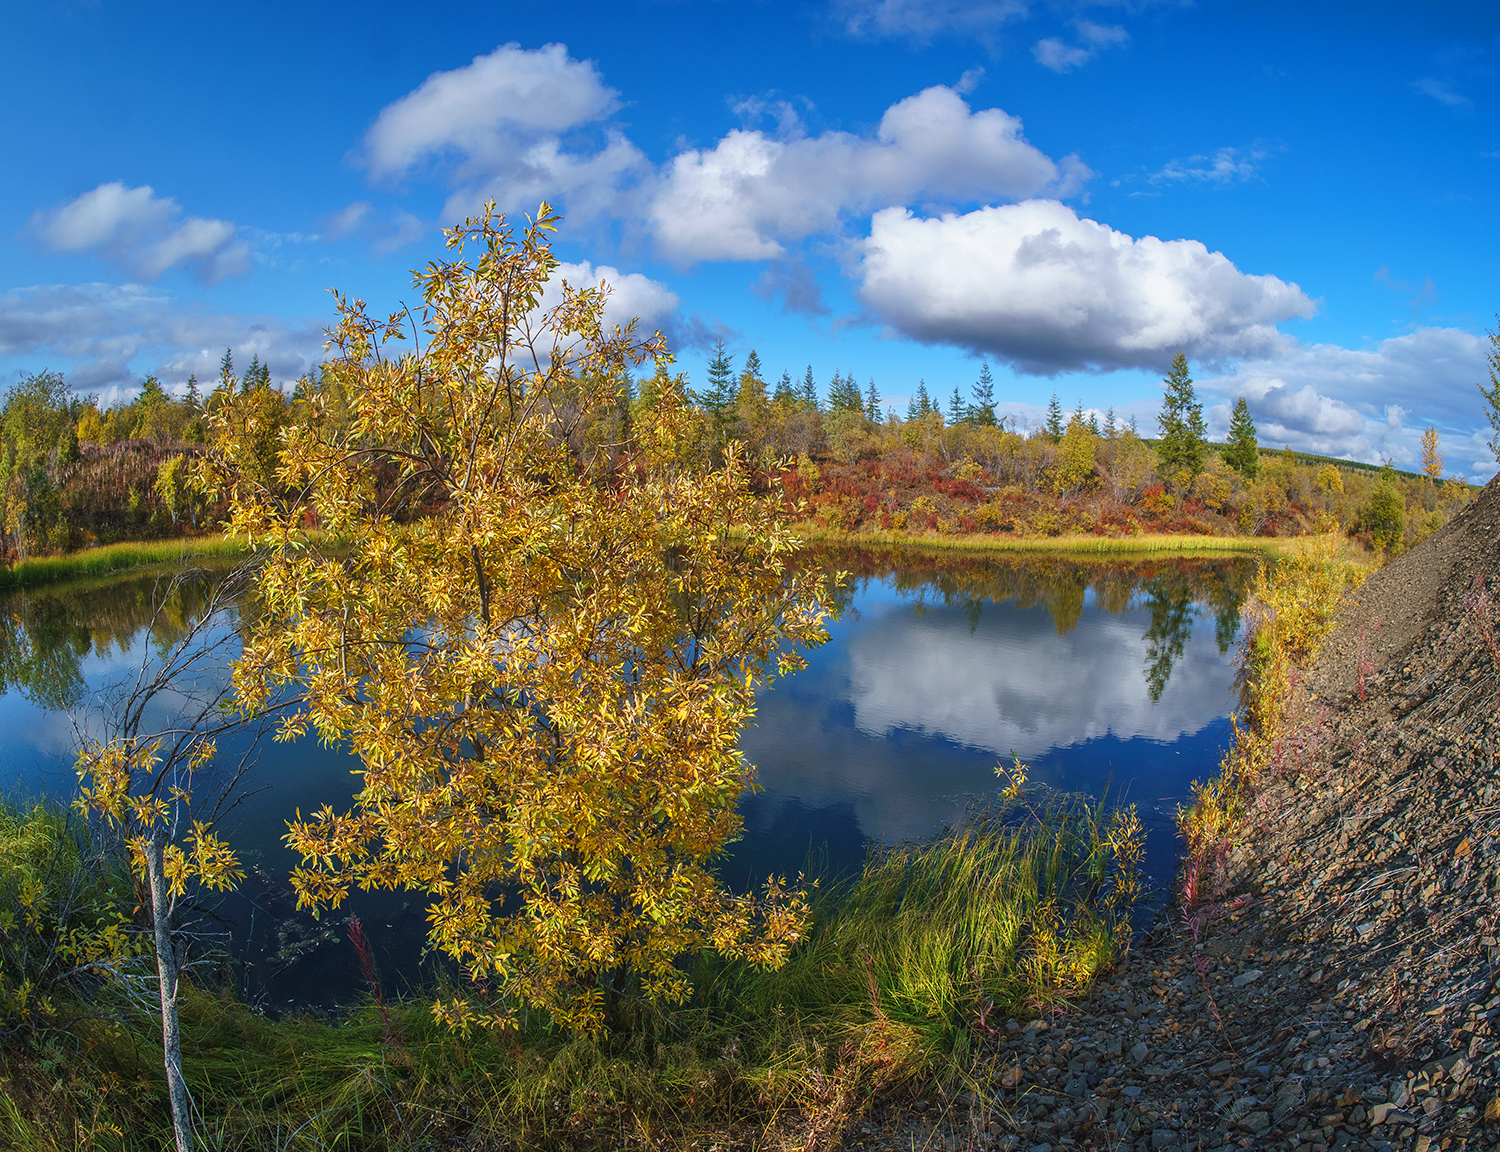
1225,166
142,234
497,124
1033,285
479,110
631,295
922,19
105,336
1442,92
752,193
1369,404
1061,56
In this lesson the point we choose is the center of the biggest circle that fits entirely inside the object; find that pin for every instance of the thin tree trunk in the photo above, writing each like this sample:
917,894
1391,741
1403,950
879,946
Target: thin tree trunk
166,971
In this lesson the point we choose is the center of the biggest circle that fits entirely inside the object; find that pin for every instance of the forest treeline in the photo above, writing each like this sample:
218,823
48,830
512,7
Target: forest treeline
75,474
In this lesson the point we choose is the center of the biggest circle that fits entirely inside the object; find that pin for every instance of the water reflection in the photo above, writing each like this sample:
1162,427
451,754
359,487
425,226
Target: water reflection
1098,675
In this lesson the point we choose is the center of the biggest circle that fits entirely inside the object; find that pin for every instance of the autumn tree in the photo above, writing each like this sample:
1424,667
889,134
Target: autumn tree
149,782
542,658
1492,393
1432,456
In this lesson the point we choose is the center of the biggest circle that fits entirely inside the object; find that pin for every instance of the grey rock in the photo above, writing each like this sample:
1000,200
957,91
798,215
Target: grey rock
1249,977
1256,1122
1139,1051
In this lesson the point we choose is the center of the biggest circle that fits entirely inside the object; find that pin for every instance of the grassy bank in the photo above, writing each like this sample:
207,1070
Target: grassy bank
910,969
113,558
1294,604
1079,545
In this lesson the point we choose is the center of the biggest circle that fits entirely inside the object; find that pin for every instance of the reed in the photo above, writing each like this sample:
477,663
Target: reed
911,967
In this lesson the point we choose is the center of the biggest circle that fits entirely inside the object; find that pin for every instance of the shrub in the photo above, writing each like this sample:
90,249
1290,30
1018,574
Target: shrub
1383,516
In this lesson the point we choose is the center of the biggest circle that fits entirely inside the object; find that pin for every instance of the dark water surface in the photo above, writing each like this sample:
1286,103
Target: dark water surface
1111,676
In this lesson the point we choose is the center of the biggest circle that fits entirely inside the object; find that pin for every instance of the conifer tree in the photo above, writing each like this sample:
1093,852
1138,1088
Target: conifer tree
721,395
785,393
1110,430
1054,420
844,394
983,408
1241,452
920,404
872,402
810,391
958,410
1183,436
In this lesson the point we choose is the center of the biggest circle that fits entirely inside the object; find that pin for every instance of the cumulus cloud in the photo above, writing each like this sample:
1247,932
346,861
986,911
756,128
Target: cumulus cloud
1368,404
497,126
524,125
631,295
752,193
1035,286
1062,56
142,234
106,336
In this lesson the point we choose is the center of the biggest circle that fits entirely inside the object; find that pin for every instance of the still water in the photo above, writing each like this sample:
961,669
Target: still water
1114,678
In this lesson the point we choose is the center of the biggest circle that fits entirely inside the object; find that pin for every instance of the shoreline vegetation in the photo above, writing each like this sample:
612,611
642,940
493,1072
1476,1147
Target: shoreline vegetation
132,556
118,560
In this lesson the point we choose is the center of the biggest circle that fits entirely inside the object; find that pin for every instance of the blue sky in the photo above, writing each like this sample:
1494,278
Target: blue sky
1300,197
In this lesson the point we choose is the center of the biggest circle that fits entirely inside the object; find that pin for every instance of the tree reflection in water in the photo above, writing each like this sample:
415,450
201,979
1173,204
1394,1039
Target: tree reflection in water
47,633
1171,591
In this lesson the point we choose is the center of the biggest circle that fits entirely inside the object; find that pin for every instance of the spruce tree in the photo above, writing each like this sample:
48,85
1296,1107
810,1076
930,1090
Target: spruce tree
809,391
844,394
958,410
1183,435
752,365
983,408
1110,431
921,403
1241,451
721,396
1054,420
785,393
872,403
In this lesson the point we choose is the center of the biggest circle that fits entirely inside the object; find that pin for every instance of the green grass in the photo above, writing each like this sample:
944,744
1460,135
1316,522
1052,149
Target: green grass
910,969
114,558
1079,545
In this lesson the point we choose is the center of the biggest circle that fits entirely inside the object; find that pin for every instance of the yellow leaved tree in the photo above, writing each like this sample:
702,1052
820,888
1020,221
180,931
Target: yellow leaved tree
539,632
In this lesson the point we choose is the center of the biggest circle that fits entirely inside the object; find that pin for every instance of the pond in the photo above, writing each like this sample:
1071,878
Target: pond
1114,678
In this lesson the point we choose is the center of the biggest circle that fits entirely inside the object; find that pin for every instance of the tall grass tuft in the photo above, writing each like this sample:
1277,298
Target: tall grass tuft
911,968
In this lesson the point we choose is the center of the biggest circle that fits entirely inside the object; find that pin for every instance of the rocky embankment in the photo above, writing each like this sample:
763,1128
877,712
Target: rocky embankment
1343,991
